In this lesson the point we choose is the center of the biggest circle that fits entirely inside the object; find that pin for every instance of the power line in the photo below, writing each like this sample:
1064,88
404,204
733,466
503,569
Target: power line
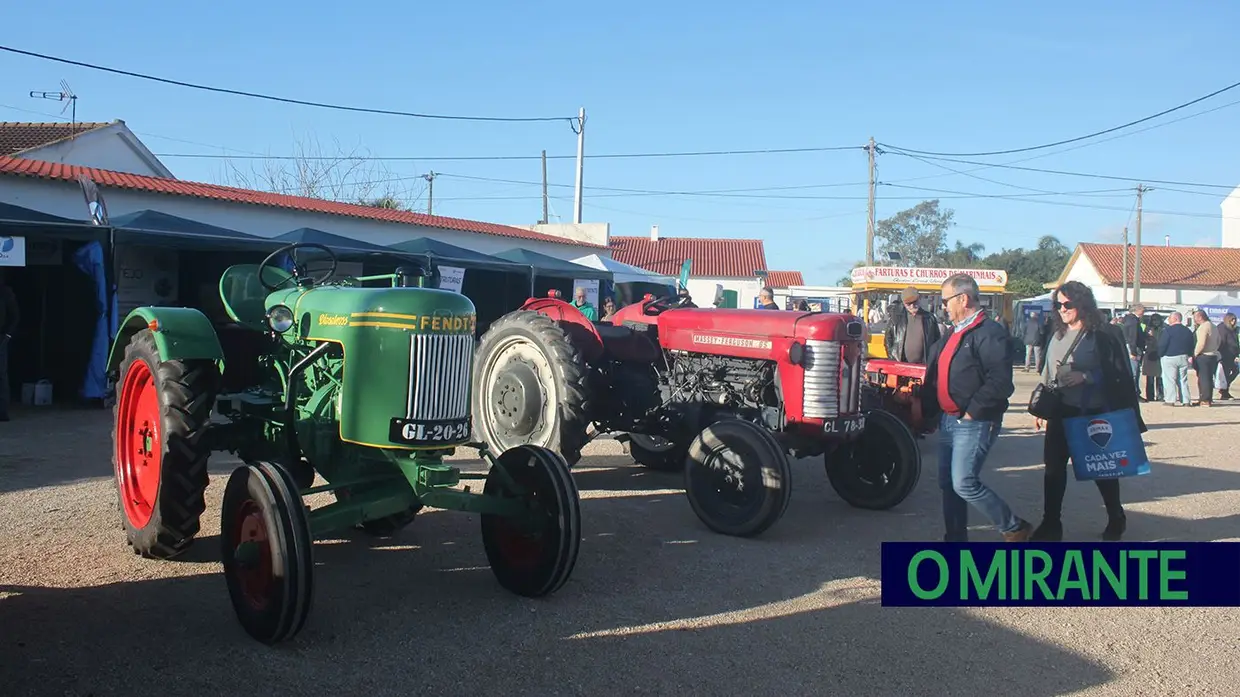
286,100
499,158
1072,140
985,165
1018,197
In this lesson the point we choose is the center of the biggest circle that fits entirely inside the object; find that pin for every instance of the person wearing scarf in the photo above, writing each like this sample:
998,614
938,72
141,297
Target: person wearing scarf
968,383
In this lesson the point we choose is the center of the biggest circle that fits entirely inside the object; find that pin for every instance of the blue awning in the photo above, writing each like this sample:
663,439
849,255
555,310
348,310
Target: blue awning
451,255
156,228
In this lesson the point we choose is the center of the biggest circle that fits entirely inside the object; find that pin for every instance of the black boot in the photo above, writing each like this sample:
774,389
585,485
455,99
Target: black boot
1116,525
1051,530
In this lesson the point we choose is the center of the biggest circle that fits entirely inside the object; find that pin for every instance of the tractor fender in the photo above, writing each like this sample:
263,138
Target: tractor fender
181,333
581,330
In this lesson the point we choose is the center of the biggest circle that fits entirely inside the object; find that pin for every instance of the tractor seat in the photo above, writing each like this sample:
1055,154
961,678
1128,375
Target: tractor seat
624,344
244,297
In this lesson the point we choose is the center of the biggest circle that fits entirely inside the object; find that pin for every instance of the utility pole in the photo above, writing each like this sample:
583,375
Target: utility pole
581,153
1136,262
869,228
1125,266
544,163
430,192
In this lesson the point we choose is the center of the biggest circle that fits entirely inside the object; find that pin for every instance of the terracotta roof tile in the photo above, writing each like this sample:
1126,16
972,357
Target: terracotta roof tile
1203,267
179,187
18,136
728,258
783,279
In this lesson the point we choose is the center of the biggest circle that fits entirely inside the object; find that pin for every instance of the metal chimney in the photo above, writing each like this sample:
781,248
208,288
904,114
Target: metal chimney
654,233
1168,239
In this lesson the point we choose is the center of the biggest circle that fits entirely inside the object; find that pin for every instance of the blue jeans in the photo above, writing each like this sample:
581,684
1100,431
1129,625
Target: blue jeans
1175,378
963,447
1136,372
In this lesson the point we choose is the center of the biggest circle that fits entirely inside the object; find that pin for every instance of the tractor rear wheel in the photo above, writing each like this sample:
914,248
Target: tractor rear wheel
533,554
738,478
162,410
268,552
881,468
530,386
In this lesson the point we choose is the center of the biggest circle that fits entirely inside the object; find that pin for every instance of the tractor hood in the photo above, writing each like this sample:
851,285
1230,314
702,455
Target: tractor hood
766,324
332,312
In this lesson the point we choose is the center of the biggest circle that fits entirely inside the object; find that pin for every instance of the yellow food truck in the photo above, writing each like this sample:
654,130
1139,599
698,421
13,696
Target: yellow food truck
876,288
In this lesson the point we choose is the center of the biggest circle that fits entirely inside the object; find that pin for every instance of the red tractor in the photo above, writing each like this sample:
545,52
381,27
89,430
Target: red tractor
723,395
896,387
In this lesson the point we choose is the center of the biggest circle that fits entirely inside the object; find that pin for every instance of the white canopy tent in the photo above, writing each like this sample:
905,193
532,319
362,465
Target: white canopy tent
624,273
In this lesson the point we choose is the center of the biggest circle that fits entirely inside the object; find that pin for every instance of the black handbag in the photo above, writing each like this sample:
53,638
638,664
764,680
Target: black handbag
1046,402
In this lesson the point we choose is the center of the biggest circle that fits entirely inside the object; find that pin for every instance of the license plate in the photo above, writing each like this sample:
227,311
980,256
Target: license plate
412,432
845,425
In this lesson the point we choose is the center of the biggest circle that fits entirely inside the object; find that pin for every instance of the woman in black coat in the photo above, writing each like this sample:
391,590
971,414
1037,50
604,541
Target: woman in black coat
1087,362
1151,365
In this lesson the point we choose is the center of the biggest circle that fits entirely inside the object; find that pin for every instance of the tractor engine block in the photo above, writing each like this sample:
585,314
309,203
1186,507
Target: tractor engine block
736,383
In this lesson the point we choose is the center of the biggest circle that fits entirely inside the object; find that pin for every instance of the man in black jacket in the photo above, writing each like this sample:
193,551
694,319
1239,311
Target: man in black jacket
968,383
1134,337
1034,337
9,315
912,330
1228,351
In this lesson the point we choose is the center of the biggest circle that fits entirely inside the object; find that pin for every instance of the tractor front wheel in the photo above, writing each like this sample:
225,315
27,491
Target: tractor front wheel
881,468
738,478
530,386
162,410
533,554
267,552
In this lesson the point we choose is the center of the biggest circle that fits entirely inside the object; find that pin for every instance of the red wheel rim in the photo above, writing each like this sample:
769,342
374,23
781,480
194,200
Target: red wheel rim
254,575
139,443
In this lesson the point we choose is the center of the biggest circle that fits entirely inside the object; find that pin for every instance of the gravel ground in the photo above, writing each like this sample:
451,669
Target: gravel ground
657,604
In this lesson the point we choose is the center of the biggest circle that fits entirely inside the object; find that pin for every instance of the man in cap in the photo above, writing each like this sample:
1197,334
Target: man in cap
912,330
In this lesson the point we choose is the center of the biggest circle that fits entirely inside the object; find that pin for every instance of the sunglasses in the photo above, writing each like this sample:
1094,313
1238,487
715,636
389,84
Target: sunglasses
1064,306
950,298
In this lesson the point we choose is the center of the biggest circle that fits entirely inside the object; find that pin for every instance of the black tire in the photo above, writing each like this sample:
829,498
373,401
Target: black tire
554,374
878,470
160,491
272,586
759,469
534,557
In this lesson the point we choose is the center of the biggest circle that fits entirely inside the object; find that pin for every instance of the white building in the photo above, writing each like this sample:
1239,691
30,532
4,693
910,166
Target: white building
111,146
1230,208
1170,276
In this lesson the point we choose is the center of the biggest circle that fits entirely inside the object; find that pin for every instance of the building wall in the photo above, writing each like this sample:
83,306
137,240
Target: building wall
1230,209
65,199
702,289
104,148
594,233
1085,272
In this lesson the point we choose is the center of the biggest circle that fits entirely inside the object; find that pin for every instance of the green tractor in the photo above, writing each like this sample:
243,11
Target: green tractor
369,387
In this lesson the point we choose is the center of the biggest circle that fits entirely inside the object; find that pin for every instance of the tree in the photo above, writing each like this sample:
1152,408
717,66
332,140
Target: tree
348,177
919,234
963,256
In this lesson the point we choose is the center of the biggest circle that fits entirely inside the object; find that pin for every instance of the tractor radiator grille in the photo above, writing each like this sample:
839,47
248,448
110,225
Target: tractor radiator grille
439,374
822,379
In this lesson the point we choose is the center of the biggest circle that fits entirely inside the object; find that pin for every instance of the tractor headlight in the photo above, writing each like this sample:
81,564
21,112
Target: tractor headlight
280,319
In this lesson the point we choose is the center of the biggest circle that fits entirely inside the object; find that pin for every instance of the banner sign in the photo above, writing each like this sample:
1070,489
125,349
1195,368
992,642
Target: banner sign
12,251
1065,574
591,288
451,278
913,276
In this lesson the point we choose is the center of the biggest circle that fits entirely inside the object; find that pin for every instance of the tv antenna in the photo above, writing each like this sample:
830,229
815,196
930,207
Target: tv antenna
64,95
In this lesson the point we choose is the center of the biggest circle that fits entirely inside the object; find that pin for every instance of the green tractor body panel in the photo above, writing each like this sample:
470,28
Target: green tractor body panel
181,333
406,366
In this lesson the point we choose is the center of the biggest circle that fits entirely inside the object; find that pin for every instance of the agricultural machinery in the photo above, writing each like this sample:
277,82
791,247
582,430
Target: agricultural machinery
723,395
367,386
895,386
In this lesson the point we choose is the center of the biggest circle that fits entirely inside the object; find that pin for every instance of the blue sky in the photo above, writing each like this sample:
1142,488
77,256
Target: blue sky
656,77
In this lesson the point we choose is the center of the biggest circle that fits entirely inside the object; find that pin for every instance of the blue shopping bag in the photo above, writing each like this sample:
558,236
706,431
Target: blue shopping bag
1106,446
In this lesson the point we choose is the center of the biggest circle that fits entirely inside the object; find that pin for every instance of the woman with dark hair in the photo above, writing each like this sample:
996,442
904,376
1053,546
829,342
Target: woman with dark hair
1087,363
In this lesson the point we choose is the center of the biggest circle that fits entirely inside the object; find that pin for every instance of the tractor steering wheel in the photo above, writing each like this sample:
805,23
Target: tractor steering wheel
658,305
299,271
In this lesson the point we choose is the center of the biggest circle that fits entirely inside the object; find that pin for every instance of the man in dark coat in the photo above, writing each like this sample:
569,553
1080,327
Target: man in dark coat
1228,351
1034,337
912,330
1134,338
